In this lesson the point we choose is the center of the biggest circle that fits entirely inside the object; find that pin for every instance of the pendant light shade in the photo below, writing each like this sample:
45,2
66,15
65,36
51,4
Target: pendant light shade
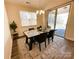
37,11
40,12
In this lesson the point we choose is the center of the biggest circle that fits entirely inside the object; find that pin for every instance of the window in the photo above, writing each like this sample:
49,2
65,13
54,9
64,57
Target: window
62,17
51,19
59,23
28,18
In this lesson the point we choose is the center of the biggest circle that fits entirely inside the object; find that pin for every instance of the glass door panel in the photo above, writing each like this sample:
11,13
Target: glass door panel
61,21
51,19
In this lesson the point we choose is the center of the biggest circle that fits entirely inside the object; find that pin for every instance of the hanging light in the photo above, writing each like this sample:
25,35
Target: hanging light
40,12
37,12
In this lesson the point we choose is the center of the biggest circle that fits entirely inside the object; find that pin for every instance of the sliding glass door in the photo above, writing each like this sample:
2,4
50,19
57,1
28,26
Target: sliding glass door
61,20
57,19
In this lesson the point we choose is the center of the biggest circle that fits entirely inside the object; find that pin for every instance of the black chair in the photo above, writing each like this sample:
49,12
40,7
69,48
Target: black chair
31,29
50,34
41,38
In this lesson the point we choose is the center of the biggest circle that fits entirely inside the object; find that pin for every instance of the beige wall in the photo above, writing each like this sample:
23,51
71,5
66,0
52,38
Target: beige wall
70,25
13,14
7,38
45,19
39,20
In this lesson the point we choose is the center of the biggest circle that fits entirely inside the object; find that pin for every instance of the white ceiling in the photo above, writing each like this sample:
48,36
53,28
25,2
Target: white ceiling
40,4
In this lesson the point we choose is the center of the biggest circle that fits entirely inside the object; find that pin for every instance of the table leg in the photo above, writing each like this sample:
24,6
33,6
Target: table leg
26,40
30,44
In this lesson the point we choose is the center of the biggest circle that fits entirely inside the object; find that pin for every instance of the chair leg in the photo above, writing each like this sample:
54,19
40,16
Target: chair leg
26,40
39,46
48,40
30,46
52,39
45,43
34,42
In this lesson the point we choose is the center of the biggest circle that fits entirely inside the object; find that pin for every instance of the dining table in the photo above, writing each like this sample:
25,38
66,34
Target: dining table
31,34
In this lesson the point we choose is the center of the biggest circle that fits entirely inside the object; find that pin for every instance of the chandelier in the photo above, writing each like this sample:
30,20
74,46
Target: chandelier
40,12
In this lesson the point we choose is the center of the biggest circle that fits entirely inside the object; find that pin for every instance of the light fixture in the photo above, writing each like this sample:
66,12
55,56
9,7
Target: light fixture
28,2
40,12
37,11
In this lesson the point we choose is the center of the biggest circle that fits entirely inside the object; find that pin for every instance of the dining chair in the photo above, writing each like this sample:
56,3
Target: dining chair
50,34
41,38
31,29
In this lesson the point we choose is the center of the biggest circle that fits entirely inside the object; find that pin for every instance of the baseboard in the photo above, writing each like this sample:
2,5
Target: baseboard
69,39
21,36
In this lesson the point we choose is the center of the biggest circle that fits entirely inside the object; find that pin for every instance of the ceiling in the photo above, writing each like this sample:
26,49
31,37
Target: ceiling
40,4
61,10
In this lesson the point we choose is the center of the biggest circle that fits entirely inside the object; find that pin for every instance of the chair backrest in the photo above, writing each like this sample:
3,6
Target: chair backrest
51,32
42,37
31,29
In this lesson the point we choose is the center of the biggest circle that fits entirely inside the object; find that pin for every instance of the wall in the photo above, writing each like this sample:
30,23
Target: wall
70,25
45,19
13,14
7,38
40,20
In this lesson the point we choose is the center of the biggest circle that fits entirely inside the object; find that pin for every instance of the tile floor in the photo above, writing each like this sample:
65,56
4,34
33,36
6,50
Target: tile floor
58,49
